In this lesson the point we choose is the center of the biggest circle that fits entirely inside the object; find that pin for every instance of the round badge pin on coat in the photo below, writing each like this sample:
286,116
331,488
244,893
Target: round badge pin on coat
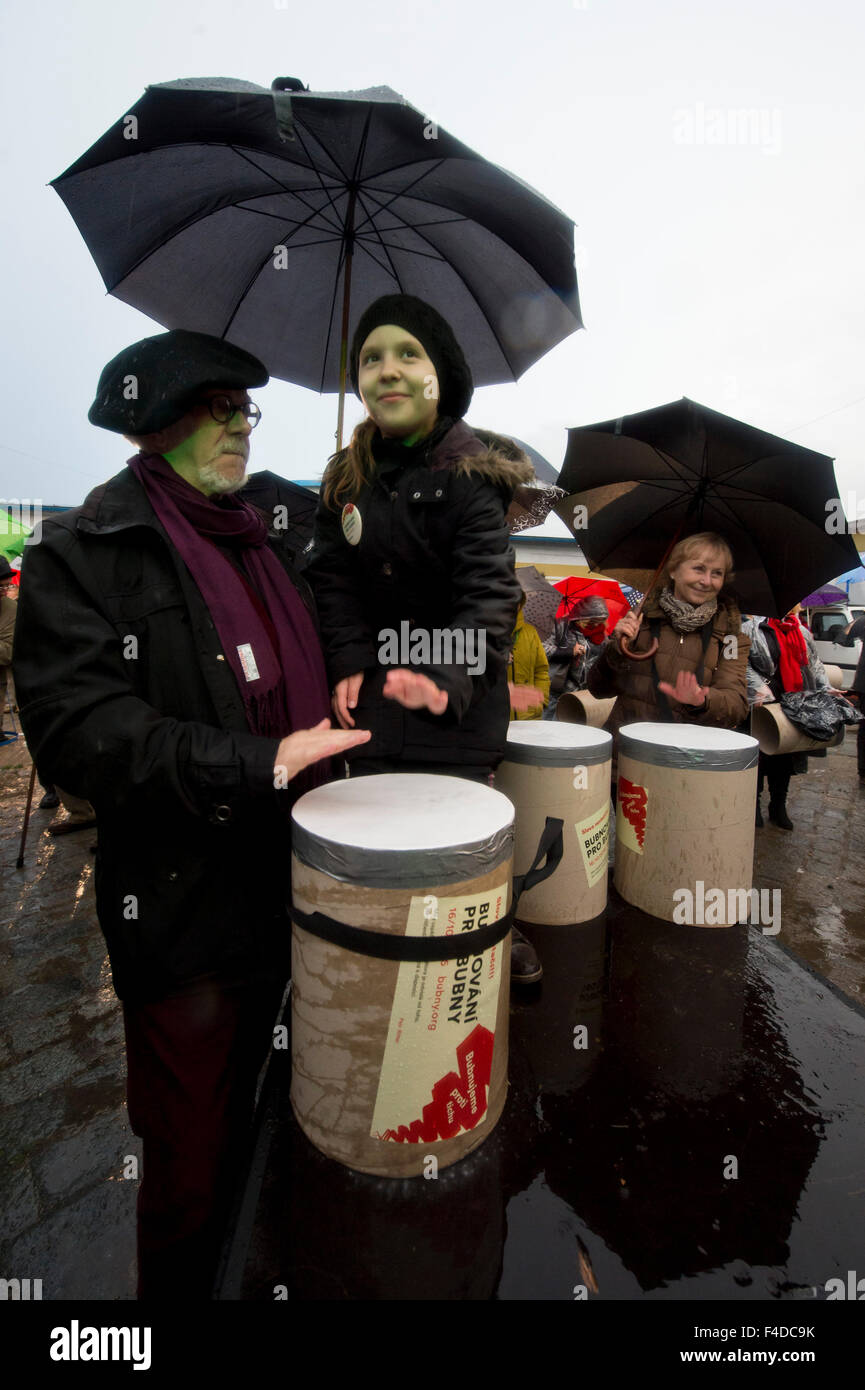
351,523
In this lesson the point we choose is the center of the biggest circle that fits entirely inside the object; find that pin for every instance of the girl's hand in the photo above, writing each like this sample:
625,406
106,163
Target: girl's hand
415,691
344,698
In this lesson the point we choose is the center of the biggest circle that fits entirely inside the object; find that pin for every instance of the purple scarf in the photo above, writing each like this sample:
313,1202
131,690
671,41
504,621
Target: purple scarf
196,525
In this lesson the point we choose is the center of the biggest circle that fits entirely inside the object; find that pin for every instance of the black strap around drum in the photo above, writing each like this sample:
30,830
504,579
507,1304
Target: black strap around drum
660,698
427,948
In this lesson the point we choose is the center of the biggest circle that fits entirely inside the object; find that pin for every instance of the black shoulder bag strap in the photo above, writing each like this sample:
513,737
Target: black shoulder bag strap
426,948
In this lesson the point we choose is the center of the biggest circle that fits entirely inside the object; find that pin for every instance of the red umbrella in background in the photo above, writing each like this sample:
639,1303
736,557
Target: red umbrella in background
574,588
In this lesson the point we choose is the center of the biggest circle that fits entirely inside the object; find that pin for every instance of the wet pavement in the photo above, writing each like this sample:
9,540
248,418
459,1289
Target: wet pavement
707,1143
608,1167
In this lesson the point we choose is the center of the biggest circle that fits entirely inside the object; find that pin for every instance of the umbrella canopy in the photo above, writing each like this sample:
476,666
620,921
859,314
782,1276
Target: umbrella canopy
13,536
633,596
575,587
290,508
632,483
274,217
542,600
827,593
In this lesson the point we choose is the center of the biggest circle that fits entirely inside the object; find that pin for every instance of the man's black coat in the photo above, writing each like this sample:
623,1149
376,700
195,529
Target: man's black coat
126,700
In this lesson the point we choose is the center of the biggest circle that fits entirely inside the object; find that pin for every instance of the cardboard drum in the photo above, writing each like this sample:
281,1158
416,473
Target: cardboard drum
397,1060
579,707
775,733
685,821
552,769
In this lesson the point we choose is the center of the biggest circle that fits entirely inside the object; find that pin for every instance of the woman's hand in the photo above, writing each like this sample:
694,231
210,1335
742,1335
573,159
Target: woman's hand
627,626
763,696
415,691
579,649
307,746
525,697
344,698
686,690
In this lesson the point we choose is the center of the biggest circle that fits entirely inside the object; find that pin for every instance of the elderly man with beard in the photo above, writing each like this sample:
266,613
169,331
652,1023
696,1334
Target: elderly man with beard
168,669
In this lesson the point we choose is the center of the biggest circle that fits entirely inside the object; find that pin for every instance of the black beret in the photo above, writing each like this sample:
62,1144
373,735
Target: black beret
151,384
435,333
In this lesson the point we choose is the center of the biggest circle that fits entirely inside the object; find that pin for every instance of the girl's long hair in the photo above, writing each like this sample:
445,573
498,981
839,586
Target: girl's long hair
349,470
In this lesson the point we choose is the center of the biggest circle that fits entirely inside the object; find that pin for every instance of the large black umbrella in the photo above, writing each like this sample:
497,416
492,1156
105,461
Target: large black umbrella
274,217
636,482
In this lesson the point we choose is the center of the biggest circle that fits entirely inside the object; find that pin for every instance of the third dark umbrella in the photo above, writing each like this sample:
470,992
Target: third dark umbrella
636,482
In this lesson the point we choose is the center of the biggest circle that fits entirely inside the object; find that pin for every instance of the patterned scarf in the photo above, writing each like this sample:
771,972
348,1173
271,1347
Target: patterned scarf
684,616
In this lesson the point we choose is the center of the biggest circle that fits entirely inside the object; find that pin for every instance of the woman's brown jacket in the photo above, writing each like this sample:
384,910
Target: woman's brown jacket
724,667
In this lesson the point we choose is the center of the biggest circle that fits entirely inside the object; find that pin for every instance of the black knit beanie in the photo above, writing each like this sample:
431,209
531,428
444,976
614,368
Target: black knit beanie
427,325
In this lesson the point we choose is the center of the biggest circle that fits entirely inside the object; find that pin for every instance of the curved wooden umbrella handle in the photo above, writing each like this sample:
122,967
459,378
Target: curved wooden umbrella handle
625,646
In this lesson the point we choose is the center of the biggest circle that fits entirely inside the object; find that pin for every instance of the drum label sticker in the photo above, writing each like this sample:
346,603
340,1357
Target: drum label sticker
351,523
631,809
437,1063
593,837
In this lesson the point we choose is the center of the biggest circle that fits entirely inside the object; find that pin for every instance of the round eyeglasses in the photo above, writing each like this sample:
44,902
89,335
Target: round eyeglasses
223,409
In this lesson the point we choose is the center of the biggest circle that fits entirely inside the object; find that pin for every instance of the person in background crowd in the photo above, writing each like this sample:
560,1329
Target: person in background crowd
574,646
8,610
168,669
528,669
855,630
782,658
696,676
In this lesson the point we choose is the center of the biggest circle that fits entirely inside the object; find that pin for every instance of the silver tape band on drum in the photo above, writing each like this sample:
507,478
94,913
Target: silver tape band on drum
689,759
545,756
391,868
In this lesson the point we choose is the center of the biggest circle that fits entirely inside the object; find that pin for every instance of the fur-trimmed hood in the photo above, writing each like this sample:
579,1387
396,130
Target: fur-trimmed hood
493,457
503,463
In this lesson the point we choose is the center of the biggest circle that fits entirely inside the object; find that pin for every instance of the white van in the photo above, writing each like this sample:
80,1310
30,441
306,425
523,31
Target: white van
827,624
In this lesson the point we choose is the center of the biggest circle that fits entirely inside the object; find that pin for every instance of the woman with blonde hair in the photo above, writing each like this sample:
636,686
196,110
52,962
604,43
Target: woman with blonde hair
698,673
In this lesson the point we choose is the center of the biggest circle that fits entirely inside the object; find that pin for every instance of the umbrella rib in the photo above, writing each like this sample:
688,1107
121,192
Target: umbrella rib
361,236
621,538
464,282
392,195
385,251
348,238
740,467
316,211
176,231
284,187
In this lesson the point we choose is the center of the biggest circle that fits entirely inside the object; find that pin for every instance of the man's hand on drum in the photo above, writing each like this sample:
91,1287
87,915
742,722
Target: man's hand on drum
415,691
627,626
525,697
687,690
307,746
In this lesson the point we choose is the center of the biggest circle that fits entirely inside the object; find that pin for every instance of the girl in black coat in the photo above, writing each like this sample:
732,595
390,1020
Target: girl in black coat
411,564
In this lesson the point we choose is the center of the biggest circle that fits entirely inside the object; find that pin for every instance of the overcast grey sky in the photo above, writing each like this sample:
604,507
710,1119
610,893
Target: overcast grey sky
719,257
